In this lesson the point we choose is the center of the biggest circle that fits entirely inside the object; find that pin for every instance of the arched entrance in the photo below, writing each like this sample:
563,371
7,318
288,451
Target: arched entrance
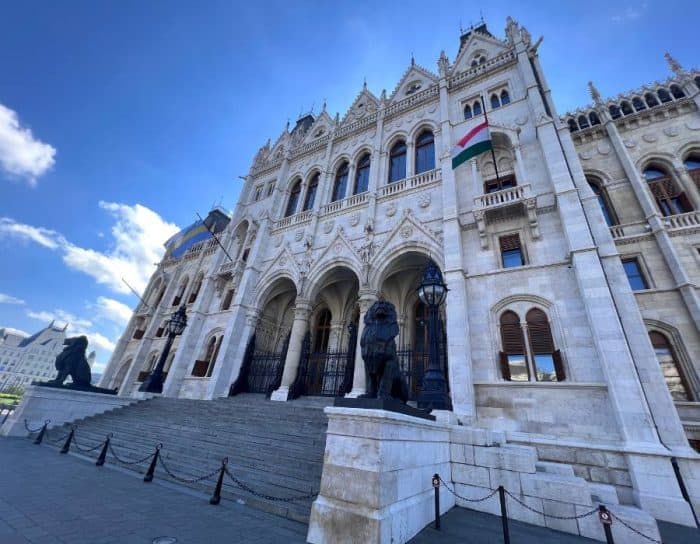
399,286
328,352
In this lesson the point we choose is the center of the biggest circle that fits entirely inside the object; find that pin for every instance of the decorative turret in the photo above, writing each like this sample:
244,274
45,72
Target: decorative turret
674,65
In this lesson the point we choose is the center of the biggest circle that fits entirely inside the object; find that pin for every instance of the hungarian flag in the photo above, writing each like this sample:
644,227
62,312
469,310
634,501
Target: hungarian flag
475,142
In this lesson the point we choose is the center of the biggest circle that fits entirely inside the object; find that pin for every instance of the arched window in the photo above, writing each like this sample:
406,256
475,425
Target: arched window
397,162
638,104
121,374
669,199
474,63
322,332
495,102
605,206
482,60
293,199
505,97
583,122
341,182
203,367
651,100
692,164
468,112
311,192
663,95
195,288
614,111
626,108
593,118
161,293
573,127
677,92
425,152
362,175
673,376
546,360
181,292
150,365
513,358
476,108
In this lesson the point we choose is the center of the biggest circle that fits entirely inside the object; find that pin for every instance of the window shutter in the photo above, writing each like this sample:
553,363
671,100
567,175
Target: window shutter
695,176
505,369
511,241
685,202
540,335
559,366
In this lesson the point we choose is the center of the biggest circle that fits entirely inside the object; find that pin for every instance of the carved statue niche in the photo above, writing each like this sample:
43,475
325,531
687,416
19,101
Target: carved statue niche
378,344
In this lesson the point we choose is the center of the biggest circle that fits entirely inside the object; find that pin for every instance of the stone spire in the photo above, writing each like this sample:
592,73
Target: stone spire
674,65
443,63
595,95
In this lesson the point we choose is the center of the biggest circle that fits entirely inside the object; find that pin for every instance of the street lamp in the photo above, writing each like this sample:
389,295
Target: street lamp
174,327
432,291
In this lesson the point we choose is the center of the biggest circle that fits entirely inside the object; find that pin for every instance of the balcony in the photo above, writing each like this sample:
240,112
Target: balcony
339,206
682,221
408,184
629,231
292,220
503,204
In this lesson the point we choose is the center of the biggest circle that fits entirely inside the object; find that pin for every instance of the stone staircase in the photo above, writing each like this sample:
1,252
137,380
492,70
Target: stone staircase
276,448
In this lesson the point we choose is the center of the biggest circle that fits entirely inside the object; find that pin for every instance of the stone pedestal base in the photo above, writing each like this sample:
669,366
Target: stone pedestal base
281,394
376,484
59,405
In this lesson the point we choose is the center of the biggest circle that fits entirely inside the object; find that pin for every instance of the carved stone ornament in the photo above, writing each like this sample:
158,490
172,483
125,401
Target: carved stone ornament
278,240
424,199
355,219
406,231
692,125
650,137
298,235
391,209
604,149
520,121
585,155
282,261
630,144
671,131
338,248
328,226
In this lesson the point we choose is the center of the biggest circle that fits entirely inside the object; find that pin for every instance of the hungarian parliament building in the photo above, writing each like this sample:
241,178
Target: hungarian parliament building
571,254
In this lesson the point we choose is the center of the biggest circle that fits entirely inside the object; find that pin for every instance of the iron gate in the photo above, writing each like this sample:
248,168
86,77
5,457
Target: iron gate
414,363
265,372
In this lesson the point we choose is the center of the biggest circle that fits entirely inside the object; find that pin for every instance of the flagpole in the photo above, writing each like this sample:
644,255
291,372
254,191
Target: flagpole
493,153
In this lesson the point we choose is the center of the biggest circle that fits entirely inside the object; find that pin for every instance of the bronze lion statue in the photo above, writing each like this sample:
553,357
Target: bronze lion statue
72,362
378,344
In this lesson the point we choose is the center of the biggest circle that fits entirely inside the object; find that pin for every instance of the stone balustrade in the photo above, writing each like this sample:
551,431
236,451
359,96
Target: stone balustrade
505,197
683,220
419,180
464,77
347,203
628,230
296,219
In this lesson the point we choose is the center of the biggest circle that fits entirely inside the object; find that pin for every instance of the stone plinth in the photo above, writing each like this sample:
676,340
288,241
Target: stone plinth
376,483
59,405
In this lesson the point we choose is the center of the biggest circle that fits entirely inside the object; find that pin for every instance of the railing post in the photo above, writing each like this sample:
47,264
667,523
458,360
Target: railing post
40,436
504,514
103,454
606,521
436,488
148,477
66,445
216,497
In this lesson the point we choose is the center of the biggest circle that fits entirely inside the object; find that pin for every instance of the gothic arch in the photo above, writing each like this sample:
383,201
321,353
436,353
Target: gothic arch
658,159
420,127
680,351
396,136
388,254
267,285
324,268
344,157
359,152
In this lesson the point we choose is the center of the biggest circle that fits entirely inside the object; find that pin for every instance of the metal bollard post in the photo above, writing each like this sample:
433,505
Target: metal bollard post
504,514
40,436
436,488
66,445
103,454
606,521
152,467
216,497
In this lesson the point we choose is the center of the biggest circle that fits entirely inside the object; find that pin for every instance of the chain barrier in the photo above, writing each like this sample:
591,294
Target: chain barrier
186,480
32,431
123,462
85,449
553,516
635,531
482,499
245,487
56,440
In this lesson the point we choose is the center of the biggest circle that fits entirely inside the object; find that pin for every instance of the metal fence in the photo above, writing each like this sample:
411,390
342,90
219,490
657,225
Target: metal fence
264,372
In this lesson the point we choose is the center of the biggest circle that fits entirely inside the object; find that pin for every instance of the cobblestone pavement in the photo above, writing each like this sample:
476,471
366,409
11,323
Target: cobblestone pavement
48,498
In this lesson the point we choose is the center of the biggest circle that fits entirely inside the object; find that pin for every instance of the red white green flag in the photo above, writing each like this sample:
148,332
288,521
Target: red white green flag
475,142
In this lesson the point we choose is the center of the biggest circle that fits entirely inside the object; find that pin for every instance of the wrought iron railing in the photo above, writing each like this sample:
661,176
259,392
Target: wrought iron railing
264,372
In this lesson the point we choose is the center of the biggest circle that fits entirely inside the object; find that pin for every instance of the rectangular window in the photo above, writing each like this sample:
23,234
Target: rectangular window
258,193
270,188
511,251
504,182
634,274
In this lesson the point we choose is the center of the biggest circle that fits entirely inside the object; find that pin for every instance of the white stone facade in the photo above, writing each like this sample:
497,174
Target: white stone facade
318,265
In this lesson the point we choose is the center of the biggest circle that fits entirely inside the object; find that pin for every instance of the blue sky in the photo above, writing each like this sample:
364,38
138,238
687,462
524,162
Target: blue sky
121,119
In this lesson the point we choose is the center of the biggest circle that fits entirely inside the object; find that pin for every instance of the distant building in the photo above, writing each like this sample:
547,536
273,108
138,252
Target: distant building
24,359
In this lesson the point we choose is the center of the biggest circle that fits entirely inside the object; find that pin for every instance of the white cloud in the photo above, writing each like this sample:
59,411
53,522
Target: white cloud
12,330
76,326
8,299
631,13
113,310
21,155
138,232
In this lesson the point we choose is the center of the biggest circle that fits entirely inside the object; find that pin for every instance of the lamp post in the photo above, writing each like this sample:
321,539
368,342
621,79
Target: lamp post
432,291
174,326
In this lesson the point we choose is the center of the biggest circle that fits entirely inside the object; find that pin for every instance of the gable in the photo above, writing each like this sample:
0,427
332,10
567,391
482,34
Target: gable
415,79
476,47
365,104
321,127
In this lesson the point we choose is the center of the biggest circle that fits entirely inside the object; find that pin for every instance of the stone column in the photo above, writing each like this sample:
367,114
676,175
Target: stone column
359,385
687,183
519,166
410,158
300,326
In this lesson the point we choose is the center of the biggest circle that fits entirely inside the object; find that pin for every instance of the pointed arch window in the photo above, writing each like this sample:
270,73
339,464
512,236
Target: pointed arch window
180,293
203,367
196,288
651,100
664,95
593,118
397,162
322,332
513,358
495,102
476,108
673,376
573,127
615,112
677,92
669,198
692,164
311,192
626,108
341,182
605,206
638,104
468,112
362,175
505,97
546,360
697,81
121,374
425,152
293,199
161,293
583,122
